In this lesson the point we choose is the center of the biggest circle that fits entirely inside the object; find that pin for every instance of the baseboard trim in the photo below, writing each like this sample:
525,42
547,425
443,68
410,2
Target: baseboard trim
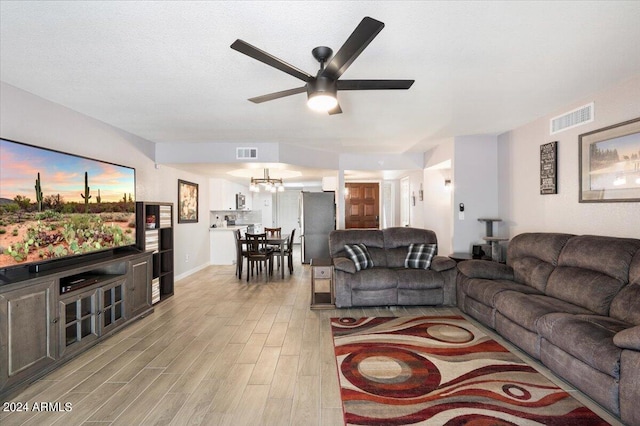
192,271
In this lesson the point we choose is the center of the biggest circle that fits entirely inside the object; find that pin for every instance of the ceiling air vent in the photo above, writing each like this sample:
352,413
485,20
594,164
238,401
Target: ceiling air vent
577,117
246,153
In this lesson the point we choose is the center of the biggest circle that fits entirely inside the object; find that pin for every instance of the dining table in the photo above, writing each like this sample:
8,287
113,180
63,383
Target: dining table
273,240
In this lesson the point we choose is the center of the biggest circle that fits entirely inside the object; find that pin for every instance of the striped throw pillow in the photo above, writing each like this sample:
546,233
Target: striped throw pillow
419,256
359,254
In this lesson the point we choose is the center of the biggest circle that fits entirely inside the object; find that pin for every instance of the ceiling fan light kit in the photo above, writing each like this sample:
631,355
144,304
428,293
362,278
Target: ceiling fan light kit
322,94
322,89
321,102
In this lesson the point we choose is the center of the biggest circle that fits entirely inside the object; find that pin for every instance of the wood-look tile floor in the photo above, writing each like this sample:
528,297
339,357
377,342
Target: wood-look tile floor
220,352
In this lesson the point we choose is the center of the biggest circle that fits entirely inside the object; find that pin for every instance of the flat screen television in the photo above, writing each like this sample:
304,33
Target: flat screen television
56,206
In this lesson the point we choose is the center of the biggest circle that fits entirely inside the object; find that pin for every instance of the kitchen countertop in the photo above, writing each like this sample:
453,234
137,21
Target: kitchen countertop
229,228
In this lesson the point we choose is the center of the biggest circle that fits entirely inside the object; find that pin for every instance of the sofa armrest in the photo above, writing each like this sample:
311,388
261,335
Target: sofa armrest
344,264
442,263
485,269
628,338
629,390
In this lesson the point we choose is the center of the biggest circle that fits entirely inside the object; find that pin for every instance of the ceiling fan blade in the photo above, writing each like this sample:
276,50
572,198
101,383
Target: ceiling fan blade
373,84
264,57
359,39
278,95
335,110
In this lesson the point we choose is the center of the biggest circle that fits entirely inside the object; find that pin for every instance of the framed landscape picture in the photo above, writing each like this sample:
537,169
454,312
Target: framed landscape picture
610,163
187,202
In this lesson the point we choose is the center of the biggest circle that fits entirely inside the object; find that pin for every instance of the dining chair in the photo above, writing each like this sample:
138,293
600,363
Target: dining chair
289,251
241,252
274,233
258,254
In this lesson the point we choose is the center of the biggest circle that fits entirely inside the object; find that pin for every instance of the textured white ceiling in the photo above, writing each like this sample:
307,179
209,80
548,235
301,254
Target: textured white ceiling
164,70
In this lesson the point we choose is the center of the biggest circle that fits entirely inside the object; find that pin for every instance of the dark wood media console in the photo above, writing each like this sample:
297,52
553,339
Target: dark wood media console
46,318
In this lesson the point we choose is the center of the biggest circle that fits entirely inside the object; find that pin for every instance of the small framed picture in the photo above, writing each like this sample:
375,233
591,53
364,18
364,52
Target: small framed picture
187,202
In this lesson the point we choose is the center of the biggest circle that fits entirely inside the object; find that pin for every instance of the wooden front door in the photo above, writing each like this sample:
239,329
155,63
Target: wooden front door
362,205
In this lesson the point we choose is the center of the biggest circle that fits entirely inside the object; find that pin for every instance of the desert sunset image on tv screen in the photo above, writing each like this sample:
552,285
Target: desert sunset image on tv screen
54,205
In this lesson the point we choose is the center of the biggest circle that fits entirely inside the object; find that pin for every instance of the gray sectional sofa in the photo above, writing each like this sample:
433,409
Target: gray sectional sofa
572,302
389,282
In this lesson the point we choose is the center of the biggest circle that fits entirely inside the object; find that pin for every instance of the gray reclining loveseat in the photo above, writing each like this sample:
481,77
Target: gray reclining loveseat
389,282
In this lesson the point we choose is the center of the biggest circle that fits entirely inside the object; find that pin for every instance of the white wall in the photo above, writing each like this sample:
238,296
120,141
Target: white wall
475,180
522,206
27,118
416,212
438,210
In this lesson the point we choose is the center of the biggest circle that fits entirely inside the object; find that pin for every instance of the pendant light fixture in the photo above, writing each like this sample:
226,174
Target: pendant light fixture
270,184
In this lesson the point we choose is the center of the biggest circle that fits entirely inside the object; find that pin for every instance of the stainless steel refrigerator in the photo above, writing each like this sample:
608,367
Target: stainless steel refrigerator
317,219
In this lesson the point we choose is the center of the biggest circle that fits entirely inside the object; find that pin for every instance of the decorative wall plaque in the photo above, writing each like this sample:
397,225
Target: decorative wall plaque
548,168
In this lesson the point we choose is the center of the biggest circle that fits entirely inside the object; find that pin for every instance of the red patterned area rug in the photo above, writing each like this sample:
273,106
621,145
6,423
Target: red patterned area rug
442,370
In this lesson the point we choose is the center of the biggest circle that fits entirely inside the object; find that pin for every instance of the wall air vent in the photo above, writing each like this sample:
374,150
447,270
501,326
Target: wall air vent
246,153
577,117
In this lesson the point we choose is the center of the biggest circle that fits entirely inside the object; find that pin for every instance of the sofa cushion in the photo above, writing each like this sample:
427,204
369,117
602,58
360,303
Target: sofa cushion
485,269
419,256
485,291
397,241
403,237
626,304
442,263
343,264
533,256
417,279
608,255
583,287
532,271
396,256
372,238
543,246
634,269
592,270
526,309
586,337
628,338
359,255
374,279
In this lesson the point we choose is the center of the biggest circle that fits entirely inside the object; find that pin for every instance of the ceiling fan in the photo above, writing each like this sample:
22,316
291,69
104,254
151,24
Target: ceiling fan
322,88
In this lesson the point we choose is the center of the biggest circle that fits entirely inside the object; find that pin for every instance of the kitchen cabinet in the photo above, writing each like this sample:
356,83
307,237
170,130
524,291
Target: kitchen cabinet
222,194
222,245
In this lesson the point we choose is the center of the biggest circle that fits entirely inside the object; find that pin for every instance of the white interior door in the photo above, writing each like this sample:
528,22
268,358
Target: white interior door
405,203
388,205
287,212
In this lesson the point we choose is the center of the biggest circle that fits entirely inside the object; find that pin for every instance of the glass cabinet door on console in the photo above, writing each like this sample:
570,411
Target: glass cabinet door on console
112,306
78,321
